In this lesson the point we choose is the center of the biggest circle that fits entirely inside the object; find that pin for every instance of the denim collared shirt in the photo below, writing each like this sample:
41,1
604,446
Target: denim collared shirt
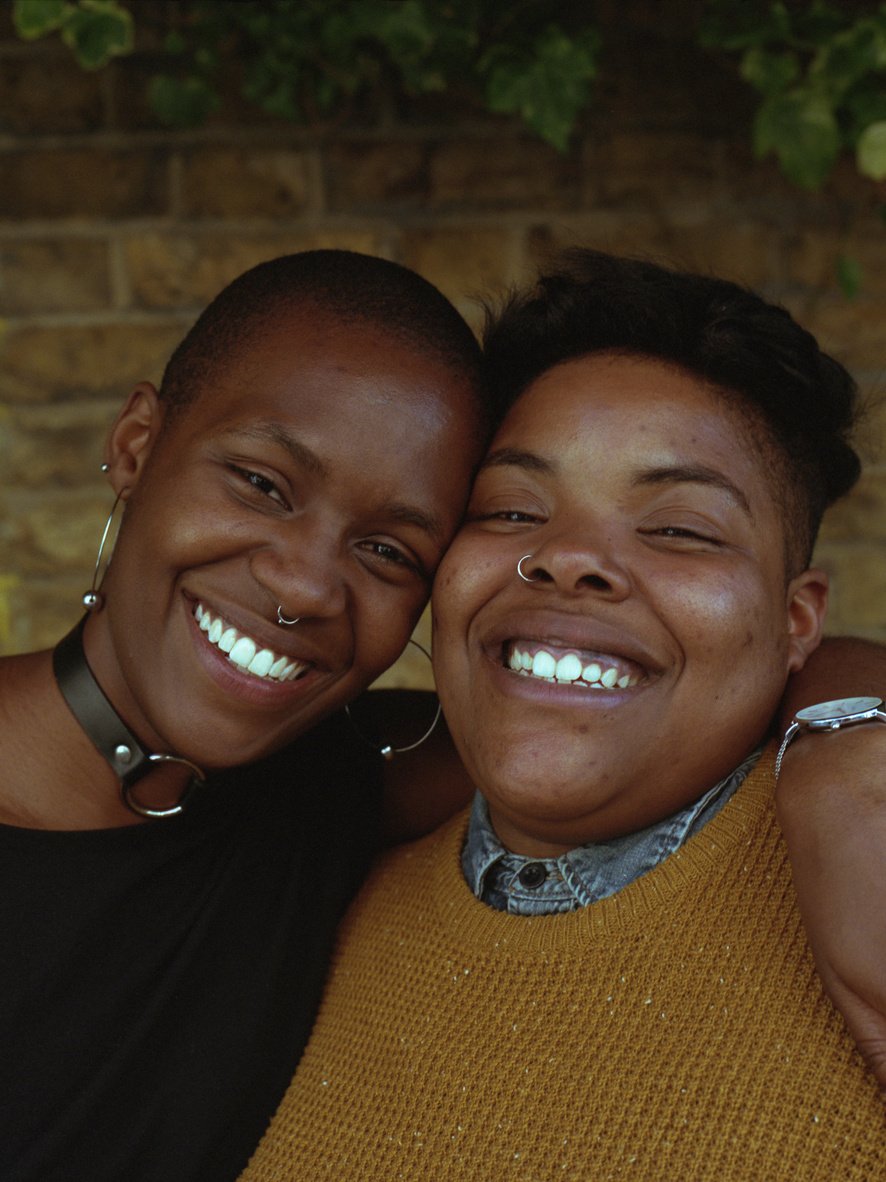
543,886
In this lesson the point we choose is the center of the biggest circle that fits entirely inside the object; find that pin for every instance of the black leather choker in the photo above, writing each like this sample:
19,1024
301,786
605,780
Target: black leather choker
124,754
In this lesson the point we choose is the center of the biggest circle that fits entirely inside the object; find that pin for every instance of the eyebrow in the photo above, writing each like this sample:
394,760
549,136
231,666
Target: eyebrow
666,474
274,433
311,462
695,474
529,461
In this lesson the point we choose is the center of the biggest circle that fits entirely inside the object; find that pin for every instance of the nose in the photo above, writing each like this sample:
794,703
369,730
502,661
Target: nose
302,568
575,564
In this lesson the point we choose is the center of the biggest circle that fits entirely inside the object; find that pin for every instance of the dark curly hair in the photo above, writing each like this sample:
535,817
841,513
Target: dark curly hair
752,351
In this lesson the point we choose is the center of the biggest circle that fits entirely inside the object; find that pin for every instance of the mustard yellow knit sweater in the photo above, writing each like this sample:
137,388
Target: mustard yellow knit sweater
674,1032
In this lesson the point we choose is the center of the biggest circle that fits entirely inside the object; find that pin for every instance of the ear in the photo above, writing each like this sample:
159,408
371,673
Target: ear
132,437
807,604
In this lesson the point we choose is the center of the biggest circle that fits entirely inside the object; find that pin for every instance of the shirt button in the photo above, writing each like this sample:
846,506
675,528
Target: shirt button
532,875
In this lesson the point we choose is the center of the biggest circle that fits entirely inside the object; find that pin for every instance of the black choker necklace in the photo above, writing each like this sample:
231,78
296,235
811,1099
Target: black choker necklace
115,741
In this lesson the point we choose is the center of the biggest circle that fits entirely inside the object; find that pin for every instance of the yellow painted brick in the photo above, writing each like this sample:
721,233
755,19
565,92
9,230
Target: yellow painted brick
375,175
504,174
58,445
465,262
53,275
45,91
52,364
858,588
184,270
246,182
860,516
84,183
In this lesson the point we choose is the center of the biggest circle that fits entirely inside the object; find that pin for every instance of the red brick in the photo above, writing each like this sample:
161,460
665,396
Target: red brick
245,182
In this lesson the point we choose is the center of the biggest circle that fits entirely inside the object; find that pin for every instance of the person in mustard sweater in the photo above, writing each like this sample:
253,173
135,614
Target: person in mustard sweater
599,971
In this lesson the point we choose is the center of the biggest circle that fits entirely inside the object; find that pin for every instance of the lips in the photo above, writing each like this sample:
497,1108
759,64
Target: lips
246,653
567,666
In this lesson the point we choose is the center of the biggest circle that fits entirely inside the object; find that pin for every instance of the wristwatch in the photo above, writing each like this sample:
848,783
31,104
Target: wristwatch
830,716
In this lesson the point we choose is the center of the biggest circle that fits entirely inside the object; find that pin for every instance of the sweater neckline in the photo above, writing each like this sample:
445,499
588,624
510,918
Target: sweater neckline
629,910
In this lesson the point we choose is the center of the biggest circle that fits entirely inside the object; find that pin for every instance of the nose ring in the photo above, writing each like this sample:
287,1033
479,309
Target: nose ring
281,619
525,578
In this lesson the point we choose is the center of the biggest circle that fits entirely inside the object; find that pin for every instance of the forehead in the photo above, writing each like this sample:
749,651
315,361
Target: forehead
634,410
308,365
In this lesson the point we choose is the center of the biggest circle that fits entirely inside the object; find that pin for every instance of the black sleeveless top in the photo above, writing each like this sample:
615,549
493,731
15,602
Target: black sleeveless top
158,982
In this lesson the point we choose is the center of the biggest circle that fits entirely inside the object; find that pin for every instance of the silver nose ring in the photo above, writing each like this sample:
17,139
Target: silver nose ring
525,578
281,619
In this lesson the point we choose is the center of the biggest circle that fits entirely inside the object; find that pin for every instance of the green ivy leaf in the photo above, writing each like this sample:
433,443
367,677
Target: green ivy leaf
548,89
849,275
801,129
181,102
769,72
871,151
36,18
98,30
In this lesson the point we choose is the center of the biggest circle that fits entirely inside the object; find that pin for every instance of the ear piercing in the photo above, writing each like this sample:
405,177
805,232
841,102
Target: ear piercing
93,599
386,750
281,619
525,578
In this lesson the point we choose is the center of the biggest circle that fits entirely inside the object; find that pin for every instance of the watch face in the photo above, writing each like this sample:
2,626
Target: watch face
838,709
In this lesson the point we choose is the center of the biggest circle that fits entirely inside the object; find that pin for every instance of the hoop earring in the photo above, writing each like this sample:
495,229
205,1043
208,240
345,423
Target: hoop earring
281,619
93,599
386,751
525,578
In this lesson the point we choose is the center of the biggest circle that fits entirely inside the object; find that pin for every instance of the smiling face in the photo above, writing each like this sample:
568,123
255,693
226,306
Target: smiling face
648,654
325,470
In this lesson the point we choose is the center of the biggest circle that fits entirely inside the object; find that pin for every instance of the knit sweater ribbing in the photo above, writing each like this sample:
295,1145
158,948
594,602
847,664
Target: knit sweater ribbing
675,1031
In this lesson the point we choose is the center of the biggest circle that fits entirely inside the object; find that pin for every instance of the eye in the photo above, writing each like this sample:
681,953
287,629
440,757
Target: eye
682,533
393,559
261,484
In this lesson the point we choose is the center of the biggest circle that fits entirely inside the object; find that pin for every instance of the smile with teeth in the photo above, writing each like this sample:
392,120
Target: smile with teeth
570,668
244,652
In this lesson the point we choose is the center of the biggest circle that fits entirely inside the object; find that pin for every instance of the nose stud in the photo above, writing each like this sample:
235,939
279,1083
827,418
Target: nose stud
281,619
525,578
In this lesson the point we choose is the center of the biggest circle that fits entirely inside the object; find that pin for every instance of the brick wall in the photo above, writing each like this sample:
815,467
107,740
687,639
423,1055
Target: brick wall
114,232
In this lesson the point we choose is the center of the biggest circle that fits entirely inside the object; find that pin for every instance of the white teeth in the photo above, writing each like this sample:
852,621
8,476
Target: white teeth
568,670
244,652
543,665
261,663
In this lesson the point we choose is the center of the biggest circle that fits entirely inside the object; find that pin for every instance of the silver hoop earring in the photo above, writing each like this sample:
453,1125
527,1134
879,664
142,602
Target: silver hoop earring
93,599
386,751
281,619
525,578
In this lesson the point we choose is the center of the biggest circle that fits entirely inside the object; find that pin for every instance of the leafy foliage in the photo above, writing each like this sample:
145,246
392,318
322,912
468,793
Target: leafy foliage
820,69
96,30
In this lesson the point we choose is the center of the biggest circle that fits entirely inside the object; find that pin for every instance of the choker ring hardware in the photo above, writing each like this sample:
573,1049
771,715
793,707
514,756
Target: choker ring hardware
525,578
107,731
281,619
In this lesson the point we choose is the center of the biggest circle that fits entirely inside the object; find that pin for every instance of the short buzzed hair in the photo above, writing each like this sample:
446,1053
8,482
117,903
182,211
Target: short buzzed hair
346,285
753,352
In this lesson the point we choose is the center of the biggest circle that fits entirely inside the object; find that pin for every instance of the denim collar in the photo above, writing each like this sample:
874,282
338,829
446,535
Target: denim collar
542,886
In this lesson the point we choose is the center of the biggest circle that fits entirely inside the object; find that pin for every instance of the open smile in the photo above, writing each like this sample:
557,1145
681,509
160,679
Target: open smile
245,653
570,666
